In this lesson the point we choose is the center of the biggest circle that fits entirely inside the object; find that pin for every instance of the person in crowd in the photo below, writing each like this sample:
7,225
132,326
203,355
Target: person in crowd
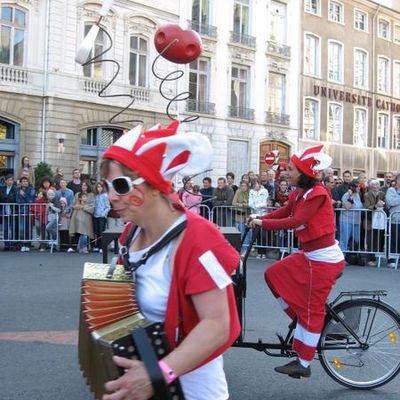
207,194
8,193
328,172
187,184
270,185
344,186
258,203
26,167
245,178
191,198
38,211
374,201
223,196
241,210
114,222
101,210
63,191
75,184
230,181
81,219
185,292
350,218
46,185
363,185
64,218
93,183
329,183
251,175
281,171
57,178
52,218
24,197
302,281
282,194
264,178
387,182
393,206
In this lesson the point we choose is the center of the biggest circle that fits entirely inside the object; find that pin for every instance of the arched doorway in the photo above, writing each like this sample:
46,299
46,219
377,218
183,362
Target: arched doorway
269,145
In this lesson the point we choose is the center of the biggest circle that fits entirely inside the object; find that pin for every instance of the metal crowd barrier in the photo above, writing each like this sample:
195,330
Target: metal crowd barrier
393,238
26,224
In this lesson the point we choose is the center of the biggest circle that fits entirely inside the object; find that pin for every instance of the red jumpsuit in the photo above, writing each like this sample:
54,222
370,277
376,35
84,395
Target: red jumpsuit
303,281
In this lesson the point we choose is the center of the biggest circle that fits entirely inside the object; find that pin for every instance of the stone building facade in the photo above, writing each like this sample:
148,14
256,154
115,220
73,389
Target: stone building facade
350,83
244,84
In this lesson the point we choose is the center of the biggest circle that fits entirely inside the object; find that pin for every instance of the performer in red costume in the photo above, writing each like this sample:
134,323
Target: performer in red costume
187,283
303,281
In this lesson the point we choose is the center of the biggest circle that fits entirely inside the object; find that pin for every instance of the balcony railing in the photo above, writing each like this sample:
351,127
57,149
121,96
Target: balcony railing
278,49
241,38
140,94
203,29
241,112
92,85
203,107
12,74
277,118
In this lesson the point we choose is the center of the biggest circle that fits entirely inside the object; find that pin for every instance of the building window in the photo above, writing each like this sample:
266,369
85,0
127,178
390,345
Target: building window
278,22
383,29
7,130
312,55
360,68
96,70
201,13
360,130
312,6
138,61
198,83
336,12
360,20
382,130
12,35
241,17
239,87
396,34
396,133
396,78
383,75
311,119
276,93
335,123
335,61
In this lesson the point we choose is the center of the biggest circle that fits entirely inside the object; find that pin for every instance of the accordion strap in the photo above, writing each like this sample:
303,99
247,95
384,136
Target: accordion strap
133,266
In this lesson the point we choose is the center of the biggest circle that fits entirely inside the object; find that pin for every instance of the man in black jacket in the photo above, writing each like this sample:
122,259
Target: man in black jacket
7,195
344,187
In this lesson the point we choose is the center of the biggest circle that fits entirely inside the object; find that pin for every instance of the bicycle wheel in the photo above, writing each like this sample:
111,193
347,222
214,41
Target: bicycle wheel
367,365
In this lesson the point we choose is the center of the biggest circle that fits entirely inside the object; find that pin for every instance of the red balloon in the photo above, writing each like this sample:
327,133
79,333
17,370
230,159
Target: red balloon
185,50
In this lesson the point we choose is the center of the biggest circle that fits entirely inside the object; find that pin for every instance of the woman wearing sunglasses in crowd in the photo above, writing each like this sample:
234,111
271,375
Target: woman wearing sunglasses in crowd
186,284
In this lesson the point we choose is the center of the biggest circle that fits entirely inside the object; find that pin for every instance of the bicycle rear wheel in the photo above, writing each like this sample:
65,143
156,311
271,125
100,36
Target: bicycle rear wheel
366,366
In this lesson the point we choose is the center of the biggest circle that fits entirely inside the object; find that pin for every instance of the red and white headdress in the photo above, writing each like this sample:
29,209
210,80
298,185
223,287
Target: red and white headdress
311,160
159,153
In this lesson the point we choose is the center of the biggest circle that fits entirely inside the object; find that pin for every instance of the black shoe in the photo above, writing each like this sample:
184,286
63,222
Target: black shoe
295,370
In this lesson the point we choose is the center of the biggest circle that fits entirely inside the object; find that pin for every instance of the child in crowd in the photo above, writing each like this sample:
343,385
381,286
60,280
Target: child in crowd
64,220
52,217
101,209
39,212
191,198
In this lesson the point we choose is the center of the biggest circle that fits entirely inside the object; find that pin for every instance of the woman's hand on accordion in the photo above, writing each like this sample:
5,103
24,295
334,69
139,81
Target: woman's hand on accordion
135,384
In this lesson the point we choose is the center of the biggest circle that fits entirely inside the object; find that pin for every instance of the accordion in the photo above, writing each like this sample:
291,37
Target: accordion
111,324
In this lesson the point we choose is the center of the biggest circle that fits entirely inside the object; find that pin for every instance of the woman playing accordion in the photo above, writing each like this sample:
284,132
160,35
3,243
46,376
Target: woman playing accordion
187,283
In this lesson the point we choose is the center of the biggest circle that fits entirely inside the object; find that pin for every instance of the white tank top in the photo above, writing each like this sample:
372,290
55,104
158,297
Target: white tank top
153,282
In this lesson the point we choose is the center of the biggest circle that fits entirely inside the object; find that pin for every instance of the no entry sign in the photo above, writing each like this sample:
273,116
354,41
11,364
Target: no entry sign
269,158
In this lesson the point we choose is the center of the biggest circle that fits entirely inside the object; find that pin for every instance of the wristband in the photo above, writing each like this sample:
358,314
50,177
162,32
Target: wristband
169,374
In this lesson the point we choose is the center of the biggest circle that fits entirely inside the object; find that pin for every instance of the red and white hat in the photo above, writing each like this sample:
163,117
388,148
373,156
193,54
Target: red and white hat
311,160
159,153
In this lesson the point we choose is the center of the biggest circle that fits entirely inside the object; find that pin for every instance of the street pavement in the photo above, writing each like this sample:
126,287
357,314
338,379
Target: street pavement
39,298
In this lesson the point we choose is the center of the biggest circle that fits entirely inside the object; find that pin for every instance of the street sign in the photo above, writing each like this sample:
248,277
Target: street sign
269,158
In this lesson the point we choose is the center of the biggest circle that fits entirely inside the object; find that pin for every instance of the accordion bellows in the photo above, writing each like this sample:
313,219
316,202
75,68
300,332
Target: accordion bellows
109,313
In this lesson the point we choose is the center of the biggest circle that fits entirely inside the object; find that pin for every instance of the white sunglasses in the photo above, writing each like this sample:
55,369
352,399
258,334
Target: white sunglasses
123,185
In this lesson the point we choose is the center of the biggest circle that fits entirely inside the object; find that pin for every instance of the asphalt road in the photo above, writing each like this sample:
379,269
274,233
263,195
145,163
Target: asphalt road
39,298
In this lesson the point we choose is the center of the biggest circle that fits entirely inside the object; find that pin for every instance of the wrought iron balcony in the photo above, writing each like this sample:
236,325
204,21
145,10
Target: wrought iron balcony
203,107
241,38
278,49
241,112
277,118
203,29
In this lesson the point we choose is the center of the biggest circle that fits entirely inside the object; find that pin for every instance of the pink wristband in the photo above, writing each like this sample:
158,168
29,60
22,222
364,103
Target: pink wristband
169,375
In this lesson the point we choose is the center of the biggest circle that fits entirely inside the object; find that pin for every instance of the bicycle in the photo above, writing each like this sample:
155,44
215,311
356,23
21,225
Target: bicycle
359,345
